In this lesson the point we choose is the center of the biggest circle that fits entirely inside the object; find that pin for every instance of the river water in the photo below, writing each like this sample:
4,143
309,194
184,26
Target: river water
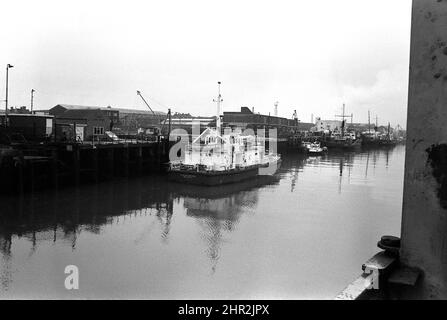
302,234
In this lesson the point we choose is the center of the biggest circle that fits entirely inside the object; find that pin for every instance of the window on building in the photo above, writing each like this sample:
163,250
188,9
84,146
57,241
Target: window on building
98,131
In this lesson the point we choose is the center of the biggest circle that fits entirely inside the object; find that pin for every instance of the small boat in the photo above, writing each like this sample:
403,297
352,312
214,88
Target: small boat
315,148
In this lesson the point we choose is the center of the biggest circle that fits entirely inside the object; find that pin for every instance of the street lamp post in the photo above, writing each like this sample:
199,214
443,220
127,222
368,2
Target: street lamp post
32,99
8,66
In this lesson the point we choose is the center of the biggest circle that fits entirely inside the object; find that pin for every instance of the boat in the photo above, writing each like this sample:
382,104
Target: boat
378,139
315,148
343,142
345,139
216,159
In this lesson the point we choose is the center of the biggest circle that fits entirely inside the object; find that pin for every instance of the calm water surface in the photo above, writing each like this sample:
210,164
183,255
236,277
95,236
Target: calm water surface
302,234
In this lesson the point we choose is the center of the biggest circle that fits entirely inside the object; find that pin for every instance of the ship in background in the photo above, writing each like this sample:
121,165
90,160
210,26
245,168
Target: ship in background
345,138
214,158
378,138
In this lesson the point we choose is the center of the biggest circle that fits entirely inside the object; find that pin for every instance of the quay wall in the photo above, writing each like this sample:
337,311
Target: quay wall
34,167
424,216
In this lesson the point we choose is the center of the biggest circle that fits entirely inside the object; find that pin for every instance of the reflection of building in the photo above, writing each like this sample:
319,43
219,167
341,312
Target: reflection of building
5,261
60,216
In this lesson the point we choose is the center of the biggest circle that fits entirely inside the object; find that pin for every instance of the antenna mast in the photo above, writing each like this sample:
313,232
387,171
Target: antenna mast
218,101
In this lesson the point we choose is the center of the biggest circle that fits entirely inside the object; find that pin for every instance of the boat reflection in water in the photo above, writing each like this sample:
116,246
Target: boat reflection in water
218,210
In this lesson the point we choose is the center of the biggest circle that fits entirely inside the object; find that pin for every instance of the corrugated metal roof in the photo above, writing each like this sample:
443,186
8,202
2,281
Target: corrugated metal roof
81,113
2,114
121,110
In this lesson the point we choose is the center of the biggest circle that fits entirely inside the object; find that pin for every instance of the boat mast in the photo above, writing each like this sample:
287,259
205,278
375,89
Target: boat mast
343,122
218,101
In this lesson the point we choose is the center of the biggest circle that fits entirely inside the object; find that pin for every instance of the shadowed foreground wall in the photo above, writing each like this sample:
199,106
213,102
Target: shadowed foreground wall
424,218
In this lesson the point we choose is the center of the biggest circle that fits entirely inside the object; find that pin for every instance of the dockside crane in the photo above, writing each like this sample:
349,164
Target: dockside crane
167,118
144,100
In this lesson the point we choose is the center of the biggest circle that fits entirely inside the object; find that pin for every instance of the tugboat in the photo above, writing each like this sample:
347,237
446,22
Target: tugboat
216,159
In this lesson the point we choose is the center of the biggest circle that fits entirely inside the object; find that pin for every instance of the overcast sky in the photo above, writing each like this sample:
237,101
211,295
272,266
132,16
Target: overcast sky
309,55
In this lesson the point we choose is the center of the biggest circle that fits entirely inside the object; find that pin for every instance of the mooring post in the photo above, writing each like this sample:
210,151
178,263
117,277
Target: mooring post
20,180
95,164
140,159
126,159
54,168
110,162
76,164
32,178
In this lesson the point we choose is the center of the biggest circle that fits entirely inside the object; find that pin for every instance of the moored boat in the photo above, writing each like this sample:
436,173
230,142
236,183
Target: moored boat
343,143
216,159
315,148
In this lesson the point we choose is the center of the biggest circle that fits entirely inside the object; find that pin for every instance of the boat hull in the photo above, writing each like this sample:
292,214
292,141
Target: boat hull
345,145
215,178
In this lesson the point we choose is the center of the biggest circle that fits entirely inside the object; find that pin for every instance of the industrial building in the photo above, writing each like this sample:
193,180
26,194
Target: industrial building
247,118
91,122
31,126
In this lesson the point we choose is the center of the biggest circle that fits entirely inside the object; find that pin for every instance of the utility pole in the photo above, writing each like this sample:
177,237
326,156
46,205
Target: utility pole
8,66
369,123
32,99
169,125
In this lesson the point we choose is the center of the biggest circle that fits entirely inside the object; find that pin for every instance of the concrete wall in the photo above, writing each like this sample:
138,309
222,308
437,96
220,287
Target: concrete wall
424,218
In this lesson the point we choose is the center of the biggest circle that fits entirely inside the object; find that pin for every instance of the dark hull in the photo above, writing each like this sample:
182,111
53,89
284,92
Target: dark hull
345,145
316,153
215,178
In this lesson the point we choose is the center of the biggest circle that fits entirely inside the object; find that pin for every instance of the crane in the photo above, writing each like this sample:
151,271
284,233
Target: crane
168,115
139,94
